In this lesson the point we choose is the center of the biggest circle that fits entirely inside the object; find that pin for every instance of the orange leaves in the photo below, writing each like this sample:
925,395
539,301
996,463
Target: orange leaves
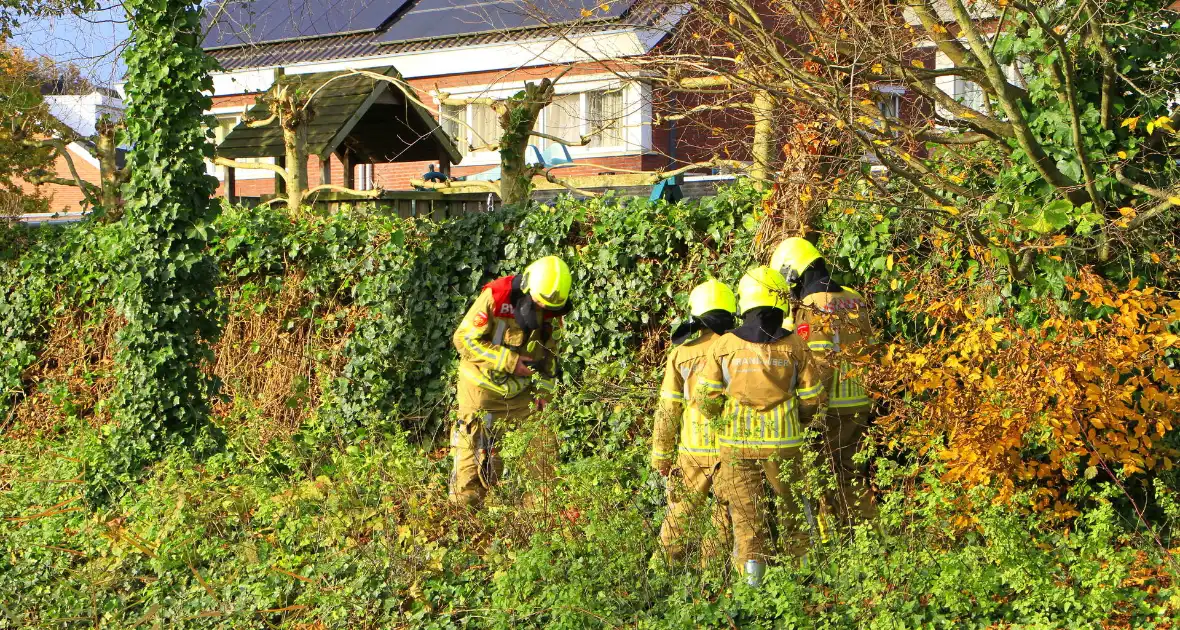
1019,407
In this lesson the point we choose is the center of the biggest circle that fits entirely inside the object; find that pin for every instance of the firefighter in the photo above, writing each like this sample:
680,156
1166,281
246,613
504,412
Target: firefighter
507,346
684,446
761,382
834,321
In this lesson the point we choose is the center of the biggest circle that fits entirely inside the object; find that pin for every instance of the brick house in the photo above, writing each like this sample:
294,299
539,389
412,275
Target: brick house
464,48
79,113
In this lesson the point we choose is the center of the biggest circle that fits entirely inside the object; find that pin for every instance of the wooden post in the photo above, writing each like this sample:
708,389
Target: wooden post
326,169
349,167
231,184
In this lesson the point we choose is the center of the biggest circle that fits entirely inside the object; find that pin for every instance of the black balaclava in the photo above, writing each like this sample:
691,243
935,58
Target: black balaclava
762,324
717,320
815,279
528,315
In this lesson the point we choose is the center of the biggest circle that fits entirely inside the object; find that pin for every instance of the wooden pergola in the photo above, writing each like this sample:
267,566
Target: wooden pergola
359,118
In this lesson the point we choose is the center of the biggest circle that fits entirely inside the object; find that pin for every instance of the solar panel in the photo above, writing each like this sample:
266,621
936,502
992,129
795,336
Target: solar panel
239,22
447,18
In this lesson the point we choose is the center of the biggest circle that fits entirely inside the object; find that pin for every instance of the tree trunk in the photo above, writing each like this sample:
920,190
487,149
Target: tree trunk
518,116
110,179
296,163
764,136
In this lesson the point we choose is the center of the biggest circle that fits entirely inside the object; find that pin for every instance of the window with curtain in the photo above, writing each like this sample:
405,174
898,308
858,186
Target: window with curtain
454,122
604,112
485,126
563,118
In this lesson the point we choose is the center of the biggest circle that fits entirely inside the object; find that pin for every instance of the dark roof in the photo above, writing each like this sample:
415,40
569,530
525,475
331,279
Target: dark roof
376,43
368,116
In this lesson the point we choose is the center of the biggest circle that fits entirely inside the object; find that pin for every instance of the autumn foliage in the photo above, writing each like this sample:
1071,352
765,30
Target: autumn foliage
1090,390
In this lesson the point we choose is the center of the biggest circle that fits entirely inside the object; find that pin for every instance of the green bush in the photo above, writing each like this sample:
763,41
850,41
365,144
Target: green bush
347,524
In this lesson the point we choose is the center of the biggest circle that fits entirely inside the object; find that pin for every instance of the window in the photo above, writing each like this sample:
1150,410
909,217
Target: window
969,94
890,105
454,123
604,113
485,126
563,118
567,118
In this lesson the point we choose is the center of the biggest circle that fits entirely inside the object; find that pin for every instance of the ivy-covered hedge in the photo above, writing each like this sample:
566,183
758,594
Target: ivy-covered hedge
411,281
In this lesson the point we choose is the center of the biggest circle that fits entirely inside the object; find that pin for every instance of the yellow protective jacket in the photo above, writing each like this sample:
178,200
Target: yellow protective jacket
768,390
680,425
837,330
490,343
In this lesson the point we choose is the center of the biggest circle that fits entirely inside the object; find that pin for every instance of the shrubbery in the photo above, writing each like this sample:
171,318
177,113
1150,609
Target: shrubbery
338,518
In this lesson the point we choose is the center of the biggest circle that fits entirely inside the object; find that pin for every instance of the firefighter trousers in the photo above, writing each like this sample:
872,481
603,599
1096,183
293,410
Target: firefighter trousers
852,499
689,486
740,485
476,439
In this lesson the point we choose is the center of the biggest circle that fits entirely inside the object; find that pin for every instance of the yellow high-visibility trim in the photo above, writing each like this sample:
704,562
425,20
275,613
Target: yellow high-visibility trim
811,392
821,346
472,341
710,384
696,434
671,396
775,428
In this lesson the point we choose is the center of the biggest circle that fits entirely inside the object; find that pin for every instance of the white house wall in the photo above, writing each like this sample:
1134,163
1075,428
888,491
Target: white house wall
466,60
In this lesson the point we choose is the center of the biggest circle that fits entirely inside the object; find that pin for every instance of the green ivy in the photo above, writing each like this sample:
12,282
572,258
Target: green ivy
166,278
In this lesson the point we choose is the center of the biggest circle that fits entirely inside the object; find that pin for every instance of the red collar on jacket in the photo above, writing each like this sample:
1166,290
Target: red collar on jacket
502,299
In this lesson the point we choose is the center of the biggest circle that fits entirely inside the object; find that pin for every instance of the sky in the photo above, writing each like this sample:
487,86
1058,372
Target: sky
94,42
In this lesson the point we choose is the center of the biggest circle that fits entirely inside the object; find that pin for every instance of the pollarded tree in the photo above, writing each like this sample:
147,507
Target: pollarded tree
167,280
1010,124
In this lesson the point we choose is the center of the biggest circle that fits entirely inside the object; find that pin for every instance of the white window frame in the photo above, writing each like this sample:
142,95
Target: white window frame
636,120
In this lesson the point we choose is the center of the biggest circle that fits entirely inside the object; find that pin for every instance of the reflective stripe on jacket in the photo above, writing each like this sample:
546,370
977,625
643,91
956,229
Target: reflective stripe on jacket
680,426
837,329
767,387
490,341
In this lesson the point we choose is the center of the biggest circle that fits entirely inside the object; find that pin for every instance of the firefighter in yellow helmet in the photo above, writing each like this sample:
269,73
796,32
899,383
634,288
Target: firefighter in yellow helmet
684,445
507,346
834,321
763,385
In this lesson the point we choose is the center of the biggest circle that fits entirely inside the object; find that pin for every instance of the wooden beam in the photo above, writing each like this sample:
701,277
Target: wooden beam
326,170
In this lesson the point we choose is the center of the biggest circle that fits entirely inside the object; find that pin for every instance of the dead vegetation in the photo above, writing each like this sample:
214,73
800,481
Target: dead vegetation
272,360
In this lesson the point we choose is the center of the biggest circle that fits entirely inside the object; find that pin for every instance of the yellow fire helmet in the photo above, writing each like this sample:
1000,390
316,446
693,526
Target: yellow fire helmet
548,281
711,295
762,286
792,257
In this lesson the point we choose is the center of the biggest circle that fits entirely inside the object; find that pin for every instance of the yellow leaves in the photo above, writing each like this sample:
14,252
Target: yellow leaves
732,18
864,120
1130,123
877,69
889,262
1096,391
917,63
587,13
951,210
1163,122
1122,155
1175,201
1127,212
